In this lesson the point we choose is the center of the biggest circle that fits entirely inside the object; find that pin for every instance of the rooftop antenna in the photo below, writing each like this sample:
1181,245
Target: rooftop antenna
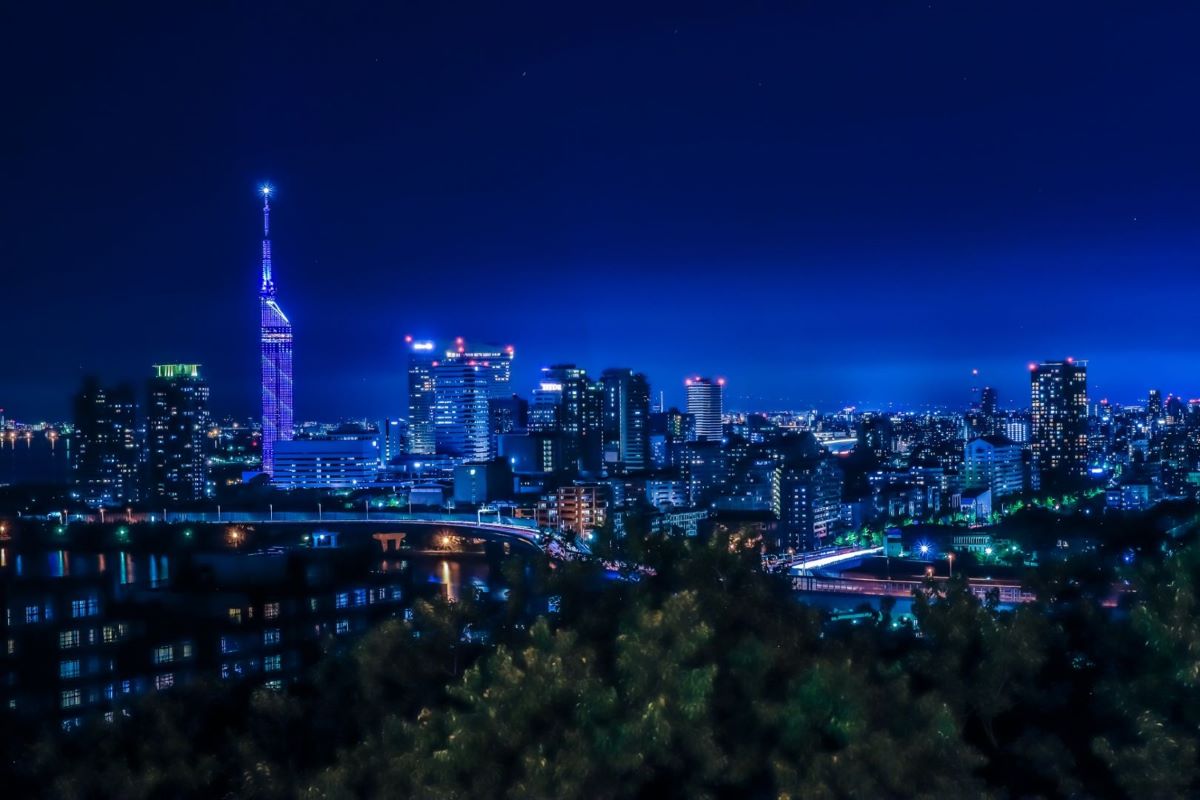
268,283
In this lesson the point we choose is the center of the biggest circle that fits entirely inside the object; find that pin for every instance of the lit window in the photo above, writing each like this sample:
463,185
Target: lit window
33,614
71,698
273,663
164,681
68,639
342,600
343,626
270,610
271,637
235,616
164,654
88,607
68,669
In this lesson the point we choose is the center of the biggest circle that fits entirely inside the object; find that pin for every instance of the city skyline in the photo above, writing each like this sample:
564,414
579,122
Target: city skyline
839,217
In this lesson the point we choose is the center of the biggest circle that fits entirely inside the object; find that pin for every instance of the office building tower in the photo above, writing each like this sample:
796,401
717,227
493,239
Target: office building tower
177,426
460,411
507,415
275,343
1059,430
391,440
1154,406
423,358
563,404
107,459
437,425
988,405
626,421
494,361
704,404
994,462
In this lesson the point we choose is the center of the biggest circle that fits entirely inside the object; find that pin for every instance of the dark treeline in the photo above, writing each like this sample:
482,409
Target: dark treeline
706,680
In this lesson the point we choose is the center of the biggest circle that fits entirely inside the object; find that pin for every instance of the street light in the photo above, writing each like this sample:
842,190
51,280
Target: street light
950,558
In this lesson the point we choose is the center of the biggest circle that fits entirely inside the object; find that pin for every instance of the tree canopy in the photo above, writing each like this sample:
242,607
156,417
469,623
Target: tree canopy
707,679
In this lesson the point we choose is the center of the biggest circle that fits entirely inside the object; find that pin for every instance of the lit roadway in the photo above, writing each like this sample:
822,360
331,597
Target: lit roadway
505,527
801,563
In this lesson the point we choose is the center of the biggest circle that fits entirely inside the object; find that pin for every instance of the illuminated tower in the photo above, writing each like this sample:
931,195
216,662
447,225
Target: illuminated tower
276,344
704,404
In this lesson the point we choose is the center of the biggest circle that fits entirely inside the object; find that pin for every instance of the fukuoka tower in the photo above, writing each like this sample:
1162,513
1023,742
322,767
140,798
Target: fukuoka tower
276,344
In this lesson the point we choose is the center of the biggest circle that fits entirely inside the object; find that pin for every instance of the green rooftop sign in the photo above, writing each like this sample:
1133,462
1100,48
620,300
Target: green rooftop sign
178,370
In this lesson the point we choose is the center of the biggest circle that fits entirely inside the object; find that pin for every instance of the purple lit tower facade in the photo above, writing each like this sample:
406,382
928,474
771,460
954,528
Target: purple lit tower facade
276,344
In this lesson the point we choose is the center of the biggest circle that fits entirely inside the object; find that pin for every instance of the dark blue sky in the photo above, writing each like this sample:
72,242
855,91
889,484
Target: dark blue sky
826,203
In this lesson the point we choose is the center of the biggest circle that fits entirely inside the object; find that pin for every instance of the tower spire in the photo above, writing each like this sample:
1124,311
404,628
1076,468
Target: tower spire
268,284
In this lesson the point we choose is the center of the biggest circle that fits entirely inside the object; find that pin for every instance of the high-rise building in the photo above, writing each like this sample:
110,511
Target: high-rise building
563,404
275,341
810,497
423,358
988,404
626,421
1059,430
1154,406
436,421
391,440
495,362
460,410
704,404
994,462
107,462
177,426
507,415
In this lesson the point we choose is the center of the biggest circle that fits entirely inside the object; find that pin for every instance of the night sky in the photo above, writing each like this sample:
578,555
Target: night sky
826,203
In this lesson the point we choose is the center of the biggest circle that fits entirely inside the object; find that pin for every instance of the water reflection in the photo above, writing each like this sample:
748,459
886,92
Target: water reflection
449,575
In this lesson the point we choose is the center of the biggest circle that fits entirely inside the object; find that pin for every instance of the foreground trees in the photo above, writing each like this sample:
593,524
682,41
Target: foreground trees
706,680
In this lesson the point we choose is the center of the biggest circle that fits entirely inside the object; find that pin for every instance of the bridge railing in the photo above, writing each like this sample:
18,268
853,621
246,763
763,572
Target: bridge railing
316,518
